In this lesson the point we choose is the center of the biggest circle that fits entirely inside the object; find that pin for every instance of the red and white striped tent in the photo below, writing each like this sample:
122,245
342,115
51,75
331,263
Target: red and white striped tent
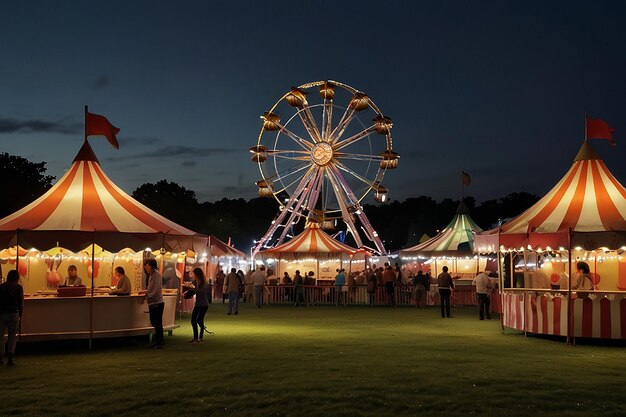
588,203
313,240
85,207
582,218
313,249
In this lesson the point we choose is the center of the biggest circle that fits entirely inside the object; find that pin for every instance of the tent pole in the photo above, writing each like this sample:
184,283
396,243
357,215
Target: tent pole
570,319
93,269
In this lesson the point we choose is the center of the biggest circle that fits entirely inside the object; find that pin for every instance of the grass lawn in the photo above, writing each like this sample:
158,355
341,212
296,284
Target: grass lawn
333,361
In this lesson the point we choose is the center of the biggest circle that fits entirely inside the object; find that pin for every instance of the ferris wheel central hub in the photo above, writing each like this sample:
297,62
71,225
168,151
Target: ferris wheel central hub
322,153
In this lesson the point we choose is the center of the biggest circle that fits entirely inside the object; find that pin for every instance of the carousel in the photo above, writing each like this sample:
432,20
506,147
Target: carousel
323,147
85,220
582,219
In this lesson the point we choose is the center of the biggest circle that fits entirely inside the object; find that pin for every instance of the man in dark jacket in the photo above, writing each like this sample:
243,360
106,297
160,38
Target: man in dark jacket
11,307
445,284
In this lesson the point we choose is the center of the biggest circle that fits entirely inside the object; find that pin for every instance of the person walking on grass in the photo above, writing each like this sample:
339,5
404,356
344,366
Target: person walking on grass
445,284
483,290
156,304
11,308
200,287
231,287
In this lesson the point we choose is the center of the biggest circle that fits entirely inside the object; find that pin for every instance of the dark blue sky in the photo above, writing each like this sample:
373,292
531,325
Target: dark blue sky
498,89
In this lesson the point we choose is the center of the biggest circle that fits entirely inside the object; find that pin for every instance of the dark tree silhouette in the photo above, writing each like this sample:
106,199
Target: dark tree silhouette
172,201
23,182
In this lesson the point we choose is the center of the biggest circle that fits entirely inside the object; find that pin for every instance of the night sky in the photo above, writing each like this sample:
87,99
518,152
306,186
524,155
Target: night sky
498,89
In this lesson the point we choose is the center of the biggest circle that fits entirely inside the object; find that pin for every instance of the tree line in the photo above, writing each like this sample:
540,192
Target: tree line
399,224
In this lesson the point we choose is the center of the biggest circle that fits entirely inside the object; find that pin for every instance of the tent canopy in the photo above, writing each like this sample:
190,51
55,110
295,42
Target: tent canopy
313,240
86,207
586,208
456,239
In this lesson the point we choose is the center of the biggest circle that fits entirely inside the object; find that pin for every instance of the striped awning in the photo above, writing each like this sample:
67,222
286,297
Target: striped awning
86,201
312,240
587,200
456,238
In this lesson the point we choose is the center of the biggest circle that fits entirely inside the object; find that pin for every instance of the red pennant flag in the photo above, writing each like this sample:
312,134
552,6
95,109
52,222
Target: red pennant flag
96,125
599,129
467,180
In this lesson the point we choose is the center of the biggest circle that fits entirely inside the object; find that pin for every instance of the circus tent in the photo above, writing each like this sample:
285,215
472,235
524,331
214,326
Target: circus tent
588,203
581,219
313,249
86,207
453,247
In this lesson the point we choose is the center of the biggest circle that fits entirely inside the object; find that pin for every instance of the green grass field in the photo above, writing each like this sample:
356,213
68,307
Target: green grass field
333,361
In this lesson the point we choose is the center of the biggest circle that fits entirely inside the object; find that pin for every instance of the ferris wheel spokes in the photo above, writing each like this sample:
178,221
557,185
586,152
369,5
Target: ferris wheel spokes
358,157
345,214
309,123
356,209
341,127
327,119
355,175
355,138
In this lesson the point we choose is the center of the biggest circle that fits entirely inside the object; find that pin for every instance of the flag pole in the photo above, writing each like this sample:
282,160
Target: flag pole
86,109
585,125
462,184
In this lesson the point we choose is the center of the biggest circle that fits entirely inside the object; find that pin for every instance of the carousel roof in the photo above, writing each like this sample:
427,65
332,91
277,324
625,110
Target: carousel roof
313,240
587,200
456,238
86,200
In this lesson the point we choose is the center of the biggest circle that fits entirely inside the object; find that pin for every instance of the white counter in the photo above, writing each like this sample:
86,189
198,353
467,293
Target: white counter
52,317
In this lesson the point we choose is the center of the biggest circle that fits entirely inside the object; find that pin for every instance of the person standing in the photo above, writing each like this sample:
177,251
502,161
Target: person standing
445,284
156,304
231,287
389,277
309,283
11,308
200,287
298,283
258,281
483,290
420,289
371,286
340,281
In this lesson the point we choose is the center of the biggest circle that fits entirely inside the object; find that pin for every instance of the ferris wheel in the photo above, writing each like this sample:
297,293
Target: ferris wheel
319,156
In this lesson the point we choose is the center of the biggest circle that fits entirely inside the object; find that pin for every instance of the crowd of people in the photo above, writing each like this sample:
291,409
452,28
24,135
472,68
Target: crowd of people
252,288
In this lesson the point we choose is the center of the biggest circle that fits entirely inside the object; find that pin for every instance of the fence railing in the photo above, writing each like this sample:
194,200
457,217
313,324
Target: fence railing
355,295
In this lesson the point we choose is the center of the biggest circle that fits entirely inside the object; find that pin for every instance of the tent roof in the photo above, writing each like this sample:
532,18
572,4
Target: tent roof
219,248
312,240
459,232
588,199
84,201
